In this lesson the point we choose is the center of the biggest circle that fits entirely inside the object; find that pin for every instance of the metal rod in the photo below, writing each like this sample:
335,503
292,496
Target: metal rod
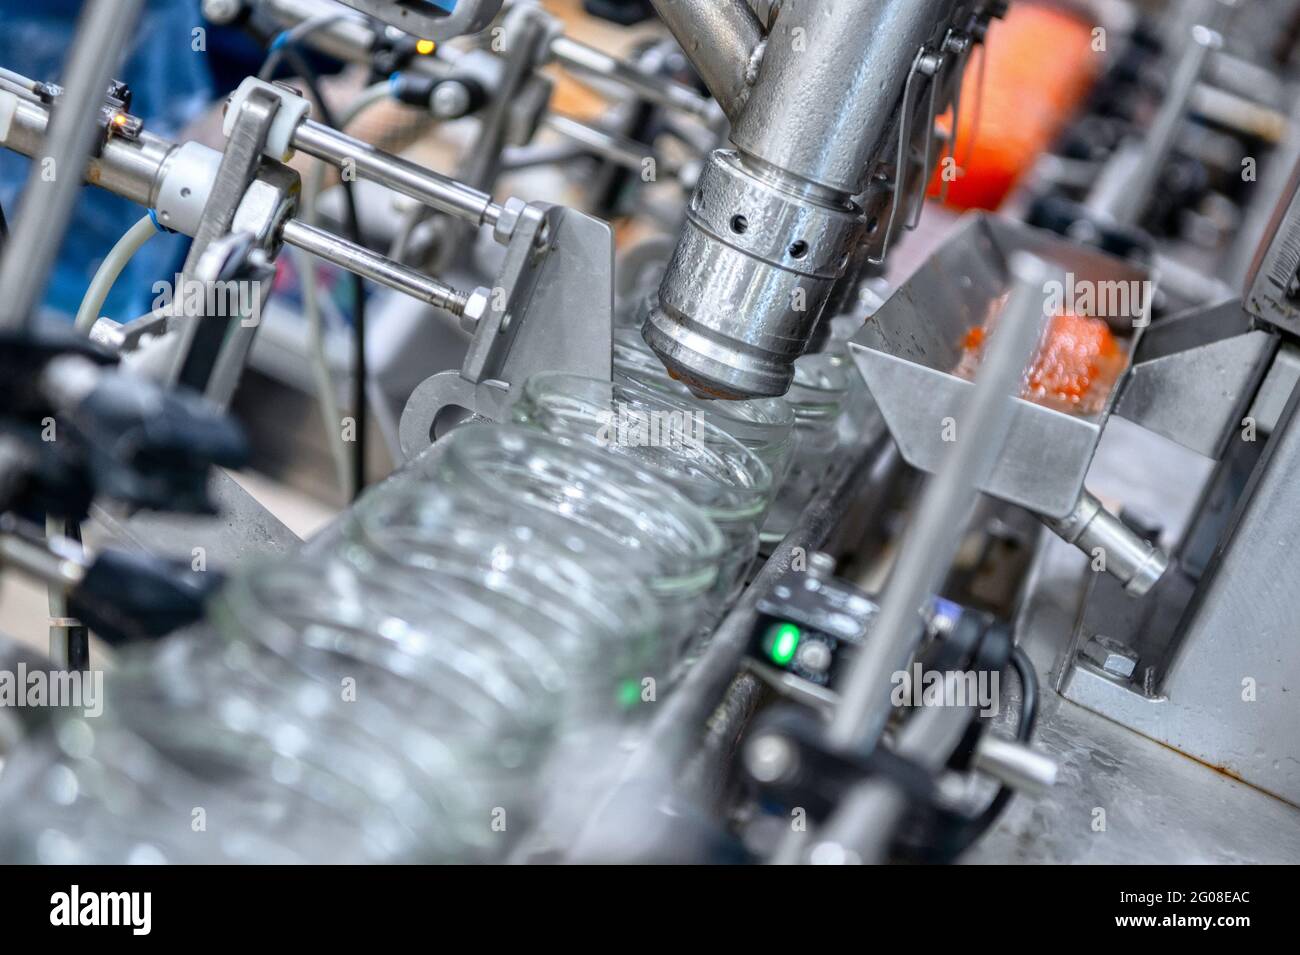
659,90
373,266
1125,206
1129,558
46,208
931,541
410,179
619,150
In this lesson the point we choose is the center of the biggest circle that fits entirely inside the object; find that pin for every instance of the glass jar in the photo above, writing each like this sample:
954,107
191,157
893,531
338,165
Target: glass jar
635,524
764,425
665,437
280,767
818,395
603,628
476,691
89,791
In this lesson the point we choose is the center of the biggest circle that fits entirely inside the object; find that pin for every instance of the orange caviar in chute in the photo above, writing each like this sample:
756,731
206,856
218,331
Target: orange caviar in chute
1075,369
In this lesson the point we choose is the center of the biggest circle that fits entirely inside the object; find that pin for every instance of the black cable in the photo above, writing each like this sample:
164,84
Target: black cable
978,826
352,223
4,228
1024,668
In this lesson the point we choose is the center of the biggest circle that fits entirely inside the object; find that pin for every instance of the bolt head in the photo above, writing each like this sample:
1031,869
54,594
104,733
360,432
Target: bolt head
1111,656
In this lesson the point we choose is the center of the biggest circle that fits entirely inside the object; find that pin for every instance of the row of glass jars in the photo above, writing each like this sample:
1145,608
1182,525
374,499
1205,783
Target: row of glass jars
398,696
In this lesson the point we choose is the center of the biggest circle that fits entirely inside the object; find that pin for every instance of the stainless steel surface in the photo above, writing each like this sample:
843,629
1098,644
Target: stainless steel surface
53,183
549,309
195,349
401,175
911,345
746,283
772,223
241,533
723,41
666,92
1121,798
1111,545
1194,375
1219,687
825,101
932,539
373,266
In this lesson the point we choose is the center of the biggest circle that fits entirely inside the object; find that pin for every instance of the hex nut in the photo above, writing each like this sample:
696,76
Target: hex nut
476,306
1111,656
511,210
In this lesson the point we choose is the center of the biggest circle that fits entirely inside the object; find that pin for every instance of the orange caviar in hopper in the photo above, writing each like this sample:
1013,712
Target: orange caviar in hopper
1075,369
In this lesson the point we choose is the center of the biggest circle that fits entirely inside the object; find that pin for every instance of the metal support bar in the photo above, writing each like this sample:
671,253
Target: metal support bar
410,179
102,32
931,541
373,266
659,90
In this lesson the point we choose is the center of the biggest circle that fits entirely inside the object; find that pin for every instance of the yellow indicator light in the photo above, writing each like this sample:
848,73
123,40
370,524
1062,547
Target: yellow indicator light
424,47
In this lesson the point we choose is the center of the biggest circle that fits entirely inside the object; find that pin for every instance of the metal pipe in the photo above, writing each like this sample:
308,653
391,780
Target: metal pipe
1136,563
723,40
37,231
825,104
410,179
1014,764
131,169
773,223
659,90
373,266
932,539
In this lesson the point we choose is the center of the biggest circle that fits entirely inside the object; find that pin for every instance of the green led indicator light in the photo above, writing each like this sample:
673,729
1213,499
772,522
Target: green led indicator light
629,694
781,643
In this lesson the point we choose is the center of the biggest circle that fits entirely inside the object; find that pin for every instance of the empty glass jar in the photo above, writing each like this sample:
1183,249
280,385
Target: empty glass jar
765,425
821,388
603,628
665,437
635,523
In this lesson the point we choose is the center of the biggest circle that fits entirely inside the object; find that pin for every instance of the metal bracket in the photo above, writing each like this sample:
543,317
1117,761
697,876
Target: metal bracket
195,355
551,309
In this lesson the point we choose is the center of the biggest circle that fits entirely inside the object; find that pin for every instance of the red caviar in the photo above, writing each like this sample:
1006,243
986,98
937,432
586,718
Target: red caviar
1074,370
